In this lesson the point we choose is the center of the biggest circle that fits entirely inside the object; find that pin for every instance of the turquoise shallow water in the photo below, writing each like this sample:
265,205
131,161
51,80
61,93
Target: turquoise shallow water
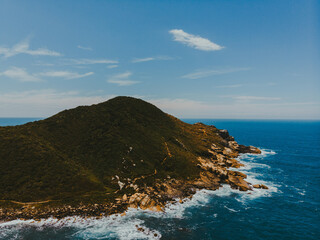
290,209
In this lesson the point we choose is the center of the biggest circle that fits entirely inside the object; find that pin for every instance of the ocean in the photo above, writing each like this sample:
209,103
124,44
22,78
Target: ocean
290,209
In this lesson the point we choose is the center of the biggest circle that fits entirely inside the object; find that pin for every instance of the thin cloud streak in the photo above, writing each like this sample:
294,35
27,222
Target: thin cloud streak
23,47
194,41
112,66
20,74
122,79
255,98
208,73
148,59
138,60
84,48
86,61
44,64
65,74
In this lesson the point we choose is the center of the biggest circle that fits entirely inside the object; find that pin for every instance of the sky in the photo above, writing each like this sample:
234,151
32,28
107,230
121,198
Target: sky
193,59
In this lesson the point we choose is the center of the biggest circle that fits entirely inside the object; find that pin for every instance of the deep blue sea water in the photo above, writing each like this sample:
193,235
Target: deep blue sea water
290,209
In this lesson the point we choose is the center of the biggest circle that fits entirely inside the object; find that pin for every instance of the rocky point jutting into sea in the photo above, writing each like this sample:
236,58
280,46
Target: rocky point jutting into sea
102,159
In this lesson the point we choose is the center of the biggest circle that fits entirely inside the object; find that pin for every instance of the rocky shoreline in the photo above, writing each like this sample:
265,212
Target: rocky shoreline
214,171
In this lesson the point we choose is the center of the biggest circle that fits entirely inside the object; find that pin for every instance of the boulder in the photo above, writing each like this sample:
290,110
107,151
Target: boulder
225,135
124,198
227,151
234,163
233,145
144,203
236,173
249,149
260,186
238,183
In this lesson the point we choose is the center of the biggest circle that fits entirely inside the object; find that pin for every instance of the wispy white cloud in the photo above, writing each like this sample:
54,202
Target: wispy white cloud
20,74
65,74
137,60
207,73
44,64
84,48
122,79
194,41
112,66
255,98
86,61
148,59
23,47
80,63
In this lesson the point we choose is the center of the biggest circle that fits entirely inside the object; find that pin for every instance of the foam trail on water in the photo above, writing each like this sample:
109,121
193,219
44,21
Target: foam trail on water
265,152
230,209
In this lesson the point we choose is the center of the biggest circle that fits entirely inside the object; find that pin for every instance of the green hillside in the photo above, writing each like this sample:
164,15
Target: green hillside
83,152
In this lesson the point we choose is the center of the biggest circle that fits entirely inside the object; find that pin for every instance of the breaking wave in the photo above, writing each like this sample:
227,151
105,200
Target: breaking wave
110,227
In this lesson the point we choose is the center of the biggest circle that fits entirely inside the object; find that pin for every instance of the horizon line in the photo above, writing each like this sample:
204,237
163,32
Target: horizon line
198,118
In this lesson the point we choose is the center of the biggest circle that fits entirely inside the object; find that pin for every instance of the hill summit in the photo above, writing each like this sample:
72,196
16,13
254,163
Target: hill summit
121,153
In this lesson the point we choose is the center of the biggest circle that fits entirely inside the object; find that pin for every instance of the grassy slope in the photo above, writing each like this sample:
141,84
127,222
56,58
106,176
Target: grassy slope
78,151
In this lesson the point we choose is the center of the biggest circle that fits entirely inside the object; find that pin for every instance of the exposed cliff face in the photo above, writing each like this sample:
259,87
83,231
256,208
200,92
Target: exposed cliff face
121,153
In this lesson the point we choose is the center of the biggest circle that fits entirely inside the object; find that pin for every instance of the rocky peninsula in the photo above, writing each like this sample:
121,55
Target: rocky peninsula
103,159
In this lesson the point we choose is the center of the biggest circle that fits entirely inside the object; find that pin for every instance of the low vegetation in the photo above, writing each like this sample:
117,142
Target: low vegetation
84,154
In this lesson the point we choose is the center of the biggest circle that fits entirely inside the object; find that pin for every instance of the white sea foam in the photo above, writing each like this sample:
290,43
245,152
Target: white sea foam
114,226
231,209
250,162
265,152
175,209
300,191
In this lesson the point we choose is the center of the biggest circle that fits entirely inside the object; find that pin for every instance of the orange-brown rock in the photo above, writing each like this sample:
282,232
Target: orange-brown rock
207,180
237,182
124,197
249,149
236,173
234,163
260,186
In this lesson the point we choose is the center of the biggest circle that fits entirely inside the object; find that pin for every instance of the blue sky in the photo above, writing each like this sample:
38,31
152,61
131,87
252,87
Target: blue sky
193,59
